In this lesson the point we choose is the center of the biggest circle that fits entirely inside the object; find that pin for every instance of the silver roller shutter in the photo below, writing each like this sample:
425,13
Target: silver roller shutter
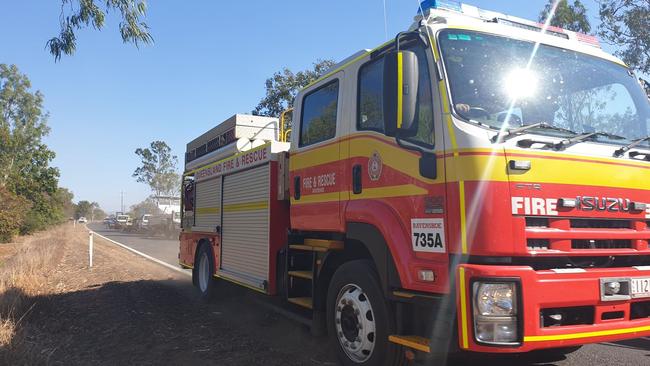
208,205
245,236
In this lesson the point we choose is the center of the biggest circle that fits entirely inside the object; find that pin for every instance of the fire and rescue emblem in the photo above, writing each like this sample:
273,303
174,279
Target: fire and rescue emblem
374,166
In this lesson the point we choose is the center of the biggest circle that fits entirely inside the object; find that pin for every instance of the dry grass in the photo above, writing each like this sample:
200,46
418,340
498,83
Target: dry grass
22,278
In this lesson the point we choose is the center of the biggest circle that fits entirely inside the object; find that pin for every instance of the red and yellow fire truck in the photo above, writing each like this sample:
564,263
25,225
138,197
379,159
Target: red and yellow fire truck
480,183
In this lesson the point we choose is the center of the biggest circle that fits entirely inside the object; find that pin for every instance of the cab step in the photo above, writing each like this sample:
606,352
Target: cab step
305,302
323,243
411,341
307,248
318,245
308,275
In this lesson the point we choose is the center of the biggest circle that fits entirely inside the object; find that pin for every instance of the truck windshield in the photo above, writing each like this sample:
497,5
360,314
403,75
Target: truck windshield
506,83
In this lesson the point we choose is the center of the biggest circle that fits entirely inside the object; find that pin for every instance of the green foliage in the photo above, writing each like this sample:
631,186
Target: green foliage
323,126
626,24
79,14
283,86
158,169
12,214
64,197
148,206
89,210
572,17
24,158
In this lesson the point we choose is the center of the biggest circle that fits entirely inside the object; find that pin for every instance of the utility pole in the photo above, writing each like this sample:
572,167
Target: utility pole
122,201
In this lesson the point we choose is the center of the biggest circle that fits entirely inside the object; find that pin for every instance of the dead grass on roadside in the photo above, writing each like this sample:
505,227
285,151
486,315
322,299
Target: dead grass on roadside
22,278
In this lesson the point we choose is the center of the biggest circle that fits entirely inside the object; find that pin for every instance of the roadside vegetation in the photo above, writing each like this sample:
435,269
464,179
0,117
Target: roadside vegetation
31,197
22,278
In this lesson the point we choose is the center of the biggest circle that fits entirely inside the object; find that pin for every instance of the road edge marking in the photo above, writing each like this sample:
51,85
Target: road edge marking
169,266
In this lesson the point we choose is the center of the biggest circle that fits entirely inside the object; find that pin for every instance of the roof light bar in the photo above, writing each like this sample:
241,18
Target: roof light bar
496,17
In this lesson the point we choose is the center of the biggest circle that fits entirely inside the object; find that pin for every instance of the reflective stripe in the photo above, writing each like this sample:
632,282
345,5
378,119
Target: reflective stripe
399,89
601,333
248,206
463,308
409,190
463,219
207,210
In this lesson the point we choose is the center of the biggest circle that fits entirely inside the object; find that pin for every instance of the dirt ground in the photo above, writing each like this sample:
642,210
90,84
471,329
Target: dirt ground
126,310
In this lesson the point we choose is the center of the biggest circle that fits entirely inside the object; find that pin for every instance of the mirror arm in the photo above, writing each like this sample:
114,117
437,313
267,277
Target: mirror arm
411,147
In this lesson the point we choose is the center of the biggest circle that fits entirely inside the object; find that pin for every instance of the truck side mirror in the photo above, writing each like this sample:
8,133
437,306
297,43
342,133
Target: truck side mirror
400,92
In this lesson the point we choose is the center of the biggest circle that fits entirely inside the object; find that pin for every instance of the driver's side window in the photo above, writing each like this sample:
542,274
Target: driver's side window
370,114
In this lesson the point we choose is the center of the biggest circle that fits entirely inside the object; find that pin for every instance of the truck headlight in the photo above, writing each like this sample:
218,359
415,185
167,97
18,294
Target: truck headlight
495,312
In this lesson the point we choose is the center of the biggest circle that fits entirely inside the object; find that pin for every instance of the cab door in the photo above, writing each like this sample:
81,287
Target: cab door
314,164
389,185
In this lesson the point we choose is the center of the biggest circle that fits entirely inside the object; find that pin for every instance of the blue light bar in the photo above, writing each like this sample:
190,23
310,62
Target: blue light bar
441,4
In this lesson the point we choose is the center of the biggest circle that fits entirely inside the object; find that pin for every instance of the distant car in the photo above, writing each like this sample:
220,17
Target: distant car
143,223
82,220
122,221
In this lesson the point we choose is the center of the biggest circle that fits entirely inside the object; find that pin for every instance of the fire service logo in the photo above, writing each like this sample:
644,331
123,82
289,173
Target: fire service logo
374,166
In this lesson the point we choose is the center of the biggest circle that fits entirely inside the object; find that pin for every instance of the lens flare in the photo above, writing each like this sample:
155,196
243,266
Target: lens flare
521,84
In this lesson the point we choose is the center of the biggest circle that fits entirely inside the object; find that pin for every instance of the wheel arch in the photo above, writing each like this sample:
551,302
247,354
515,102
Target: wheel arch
363,241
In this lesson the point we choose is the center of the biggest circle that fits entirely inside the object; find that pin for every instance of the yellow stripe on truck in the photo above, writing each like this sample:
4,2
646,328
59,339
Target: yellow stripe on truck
248,206
399,89
463,309
463,217
408,190
207,210
561,337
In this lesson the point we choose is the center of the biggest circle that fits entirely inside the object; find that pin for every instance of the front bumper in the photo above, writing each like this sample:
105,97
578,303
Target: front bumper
548,289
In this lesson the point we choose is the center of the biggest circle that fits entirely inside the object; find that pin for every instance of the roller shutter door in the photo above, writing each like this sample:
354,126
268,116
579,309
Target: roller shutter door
245,236
208,205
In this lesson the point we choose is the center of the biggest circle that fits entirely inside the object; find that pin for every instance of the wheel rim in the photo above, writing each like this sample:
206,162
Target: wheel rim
355,323
204,272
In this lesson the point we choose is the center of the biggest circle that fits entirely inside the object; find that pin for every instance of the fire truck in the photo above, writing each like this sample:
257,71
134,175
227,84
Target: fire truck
478,184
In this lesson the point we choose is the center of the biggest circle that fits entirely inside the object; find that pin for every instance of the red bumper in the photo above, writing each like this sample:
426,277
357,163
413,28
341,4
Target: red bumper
548,289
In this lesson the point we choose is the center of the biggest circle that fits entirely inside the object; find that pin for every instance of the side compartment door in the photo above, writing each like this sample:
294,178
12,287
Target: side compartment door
207,211
315,167
245,234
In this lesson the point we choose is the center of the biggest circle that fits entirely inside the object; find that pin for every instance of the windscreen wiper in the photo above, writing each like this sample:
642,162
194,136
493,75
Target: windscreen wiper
574,140
628,147
502,137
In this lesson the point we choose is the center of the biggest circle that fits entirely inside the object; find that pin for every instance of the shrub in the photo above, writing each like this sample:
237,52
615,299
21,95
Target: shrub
13,212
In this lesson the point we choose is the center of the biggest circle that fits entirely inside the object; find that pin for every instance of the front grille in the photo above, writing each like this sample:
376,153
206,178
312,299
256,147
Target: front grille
600,244
577,315
579,234
538,244
640,310
600,224
536,222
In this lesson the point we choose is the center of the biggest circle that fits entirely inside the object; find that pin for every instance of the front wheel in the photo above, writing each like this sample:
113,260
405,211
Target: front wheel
359,317
203,274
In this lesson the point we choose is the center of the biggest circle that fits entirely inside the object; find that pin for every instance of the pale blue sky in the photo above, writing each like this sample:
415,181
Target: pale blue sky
209,61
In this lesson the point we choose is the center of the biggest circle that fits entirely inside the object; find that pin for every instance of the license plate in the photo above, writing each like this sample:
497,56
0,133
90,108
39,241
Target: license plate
640,287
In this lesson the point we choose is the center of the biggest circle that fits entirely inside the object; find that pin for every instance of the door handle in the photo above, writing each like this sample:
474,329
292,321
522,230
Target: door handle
356,179
296,187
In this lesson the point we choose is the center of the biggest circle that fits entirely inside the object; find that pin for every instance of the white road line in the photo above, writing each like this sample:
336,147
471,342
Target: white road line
179,270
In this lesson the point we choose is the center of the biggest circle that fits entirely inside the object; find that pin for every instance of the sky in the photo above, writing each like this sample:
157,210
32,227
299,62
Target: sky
209,61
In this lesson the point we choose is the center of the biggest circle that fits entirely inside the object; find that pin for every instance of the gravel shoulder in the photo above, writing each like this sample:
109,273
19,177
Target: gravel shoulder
128,310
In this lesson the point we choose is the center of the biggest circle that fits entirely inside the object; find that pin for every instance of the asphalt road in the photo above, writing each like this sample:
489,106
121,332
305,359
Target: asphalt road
632,352
157,247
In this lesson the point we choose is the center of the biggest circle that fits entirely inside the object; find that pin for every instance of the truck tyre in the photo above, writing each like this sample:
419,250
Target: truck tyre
359,319
204,272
